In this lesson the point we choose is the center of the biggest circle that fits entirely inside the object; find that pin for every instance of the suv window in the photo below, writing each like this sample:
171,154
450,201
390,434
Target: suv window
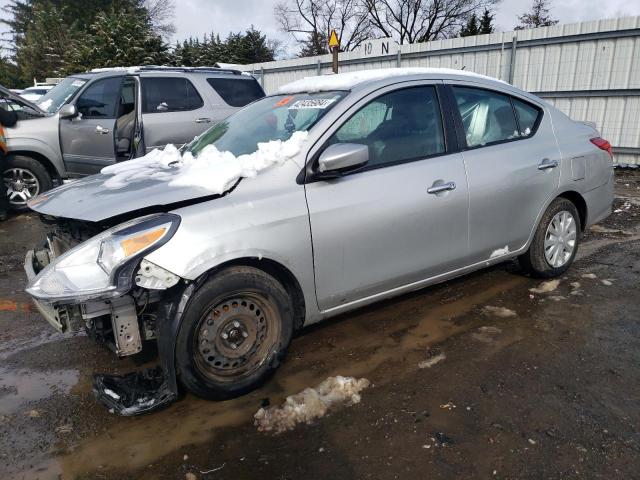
397,126
527,117
235,92
487,116
169,94
100,98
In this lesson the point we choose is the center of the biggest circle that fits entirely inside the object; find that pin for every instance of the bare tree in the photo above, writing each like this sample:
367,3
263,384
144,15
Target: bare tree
539,16
311,21
413,21
160,14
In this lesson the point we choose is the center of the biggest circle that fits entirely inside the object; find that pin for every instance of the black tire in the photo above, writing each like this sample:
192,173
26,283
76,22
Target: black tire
206,359
534,261
30,168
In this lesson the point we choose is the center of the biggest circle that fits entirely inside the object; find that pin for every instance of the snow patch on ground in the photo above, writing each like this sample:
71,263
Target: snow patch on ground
499,252
590,275
311,403
501,312
211,170
430,362
346,81
546,287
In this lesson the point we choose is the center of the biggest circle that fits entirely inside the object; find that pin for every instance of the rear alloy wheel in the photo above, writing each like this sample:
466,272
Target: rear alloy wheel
234,333
24,178
555,242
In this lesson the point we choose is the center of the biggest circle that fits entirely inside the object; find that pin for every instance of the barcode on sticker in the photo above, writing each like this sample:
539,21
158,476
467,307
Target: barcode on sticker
320,103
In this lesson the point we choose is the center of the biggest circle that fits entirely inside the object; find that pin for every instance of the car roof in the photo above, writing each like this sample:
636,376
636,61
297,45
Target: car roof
160,69
362,78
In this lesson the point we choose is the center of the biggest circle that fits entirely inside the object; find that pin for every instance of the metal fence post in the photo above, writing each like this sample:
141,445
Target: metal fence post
399,58
262,77
319,68
512,63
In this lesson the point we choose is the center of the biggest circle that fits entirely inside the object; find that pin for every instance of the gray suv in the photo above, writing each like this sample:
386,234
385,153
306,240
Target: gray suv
98,118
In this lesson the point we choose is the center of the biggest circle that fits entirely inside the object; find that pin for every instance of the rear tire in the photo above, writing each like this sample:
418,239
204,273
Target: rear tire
555,243
234,333
24,178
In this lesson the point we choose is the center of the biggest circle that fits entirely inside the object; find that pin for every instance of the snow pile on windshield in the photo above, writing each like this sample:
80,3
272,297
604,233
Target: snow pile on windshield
211,169
346,81
310,404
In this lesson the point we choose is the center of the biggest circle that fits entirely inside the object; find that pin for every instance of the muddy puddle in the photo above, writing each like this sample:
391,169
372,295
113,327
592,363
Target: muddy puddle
379,343
19,388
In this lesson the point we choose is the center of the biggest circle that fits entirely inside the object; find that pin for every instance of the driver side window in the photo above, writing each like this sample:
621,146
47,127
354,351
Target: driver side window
100,98
398,126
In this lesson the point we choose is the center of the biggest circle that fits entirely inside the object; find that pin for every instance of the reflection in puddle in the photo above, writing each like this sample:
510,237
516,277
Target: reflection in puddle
19,387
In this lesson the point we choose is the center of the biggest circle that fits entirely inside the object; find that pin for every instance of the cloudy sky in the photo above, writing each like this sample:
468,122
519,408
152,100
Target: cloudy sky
197,17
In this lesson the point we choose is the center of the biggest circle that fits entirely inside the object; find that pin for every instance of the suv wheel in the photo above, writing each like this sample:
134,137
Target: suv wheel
24,178
555,242
234,333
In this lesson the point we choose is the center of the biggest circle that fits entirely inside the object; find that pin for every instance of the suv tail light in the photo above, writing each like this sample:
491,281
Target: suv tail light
602,144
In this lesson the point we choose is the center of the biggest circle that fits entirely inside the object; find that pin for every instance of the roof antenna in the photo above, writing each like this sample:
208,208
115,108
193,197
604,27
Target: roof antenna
463,67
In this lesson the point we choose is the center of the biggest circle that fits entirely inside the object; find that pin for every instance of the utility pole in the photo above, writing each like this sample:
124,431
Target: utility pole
334,46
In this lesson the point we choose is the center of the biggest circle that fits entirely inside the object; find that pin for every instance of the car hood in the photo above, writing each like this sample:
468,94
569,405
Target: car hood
21,100
89,200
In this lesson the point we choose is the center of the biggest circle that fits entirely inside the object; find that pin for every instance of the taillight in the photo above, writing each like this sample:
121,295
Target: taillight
602,144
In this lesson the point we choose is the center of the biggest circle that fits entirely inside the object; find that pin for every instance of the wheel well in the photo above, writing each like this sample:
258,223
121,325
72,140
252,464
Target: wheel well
282,274
581,205
40,158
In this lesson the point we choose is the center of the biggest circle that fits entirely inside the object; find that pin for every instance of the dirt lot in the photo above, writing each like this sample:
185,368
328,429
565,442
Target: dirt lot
550,392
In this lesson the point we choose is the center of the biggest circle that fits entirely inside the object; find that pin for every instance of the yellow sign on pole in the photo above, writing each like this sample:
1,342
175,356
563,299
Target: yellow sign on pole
333,40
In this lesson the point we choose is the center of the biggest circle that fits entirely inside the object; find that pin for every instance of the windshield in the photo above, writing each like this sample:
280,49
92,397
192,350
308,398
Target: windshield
271,118
60,94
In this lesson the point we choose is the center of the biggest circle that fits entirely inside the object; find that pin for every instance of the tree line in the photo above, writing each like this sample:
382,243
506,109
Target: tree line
53,38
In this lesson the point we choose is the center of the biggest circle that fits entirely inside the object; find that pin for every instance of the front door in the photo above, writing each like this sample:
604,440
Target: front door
87,141
400,219
511,159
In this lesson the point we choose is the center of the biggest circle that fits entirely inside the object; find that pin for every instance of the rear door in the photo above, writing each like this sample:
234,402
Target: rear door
512,158
87,141
403,217
173,111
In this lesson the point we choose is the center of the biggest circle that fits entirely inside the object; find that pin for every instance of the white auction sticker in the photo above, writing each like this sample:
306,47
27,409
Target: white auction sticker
320,103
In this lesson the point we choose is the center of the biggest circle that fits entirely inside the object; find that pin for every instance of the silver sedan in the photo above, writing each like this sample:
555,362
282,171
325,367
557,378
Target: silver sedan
335,193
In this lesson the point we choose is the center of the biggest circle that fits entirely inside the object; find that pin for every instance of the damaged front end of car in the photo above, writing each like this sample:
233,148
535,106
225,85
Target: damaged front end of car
94,276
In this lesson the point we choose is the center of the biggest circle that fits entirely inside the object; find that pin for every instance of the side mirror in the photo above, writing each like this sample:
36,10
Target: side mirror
343,155
68,111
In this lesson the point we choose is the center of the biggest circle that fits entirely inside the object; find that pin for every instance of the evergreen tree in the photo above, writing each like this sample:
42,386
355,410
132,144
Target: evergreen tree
9,74
118,38
471,28
486,22
315,45
539,16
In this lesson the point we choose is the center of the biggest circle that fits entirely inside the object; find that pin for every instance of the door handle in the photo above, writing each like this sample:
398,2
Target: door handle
203,120
443,187
546,163
101,130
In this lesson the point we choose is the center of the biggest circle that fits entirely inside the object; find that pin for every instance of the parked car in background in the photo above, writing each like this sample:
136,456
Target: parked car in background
105,116
371,184
33,94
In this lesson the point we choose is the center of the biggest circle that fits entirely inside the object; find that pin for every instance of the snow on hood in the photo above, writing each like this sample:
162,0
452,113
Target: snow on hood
210,170
346,81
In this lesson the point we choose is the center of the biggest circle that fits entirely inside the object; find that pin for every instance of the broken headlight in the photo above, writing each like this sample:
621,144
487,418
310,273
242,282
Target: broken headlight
103,265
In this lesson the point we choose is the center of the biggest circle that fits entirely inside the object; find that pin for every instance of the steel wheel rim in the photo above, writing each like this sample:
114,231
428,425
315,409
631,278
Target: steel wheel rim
21,185
236,336
560,239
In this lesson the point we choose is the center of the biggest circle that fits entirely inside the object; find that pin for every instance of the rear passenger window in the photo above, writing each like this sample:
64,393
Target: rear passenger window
236,92
398,126
487,117
169,94
527,117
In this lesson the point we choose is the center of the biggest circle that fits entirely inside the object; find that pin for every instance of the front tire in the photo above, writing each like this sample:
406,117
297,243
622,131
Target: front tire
24,178
555,243
234,333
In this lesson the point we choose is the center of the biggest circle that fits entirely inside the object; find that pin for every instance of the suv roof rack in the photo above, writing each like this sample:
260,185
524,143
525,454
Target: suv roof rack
164,68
